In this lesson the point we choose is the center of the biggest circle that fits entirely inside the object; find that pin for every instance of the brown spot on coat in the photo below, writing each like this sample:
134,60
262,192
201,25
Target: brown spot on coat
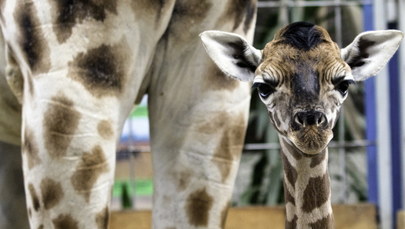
101,70
105,129
102,218
316,193
41,226
52,193
90,168
289,171
156,8
291,224
70,12
326,222
34,197
287,195
198,205
31,39
192,11
317,159
230,145
60,123
65,222
188,14
30,149
237,10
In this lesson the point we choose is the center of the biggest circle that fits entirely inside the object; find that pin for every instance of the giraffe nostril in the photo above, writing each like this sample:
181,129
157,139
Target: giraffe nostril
298,119
322,121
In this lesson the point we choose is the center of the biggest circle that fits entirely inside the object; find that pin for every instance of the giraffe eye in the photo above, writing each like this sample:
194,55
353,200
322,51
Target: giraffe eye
343,86
264,89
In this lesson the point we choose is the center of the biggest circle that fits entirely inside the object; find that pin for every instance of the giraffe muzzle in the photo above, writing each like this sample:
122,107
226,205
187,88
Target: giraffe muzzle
310,131
312,118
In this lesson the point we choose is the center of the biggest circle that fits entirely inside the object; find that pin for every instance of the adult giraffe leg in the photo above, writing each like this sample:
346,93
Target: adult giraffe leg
80,82
198,118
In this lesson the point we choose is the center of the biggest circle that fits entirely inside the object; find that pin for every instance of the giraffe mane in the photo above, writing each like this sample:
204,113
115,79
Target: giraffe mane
302,35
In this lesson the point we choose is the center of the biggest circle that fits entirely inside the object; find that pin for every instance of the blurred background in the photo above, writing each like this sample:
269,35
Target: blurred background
367,152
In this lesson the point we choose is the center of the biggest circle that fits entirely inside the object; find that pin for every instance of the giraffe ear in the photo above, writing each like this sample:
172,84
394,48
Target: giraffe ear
370,52
232,54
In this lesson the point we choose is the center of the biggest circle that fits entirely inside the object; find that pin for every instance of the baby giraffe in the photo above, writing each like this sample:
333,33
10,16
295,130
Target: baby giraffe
303,77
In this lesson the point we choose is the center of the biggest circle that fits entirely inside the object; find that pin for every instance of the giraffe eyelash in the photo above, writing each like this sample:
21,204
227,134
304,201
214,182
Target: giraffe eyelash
264,89
343,86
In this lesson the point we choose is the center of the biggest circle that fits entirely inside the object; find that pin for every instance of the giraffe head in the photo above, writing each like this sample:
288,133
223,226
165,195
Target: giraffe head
302,76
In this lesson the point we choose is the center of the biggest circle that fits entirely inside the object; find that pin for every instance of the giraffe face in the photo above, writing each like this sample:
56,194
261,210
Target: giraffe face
302,76
303,82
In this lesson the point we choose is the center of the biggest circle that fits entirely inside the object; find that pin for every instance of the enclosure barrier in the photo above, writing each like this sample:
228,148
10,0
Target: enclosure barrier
359,216
401,220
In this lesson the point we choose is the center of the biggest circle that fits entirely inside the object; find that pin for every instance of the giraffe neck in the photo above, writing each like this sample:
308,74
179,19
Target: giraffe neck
307,188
